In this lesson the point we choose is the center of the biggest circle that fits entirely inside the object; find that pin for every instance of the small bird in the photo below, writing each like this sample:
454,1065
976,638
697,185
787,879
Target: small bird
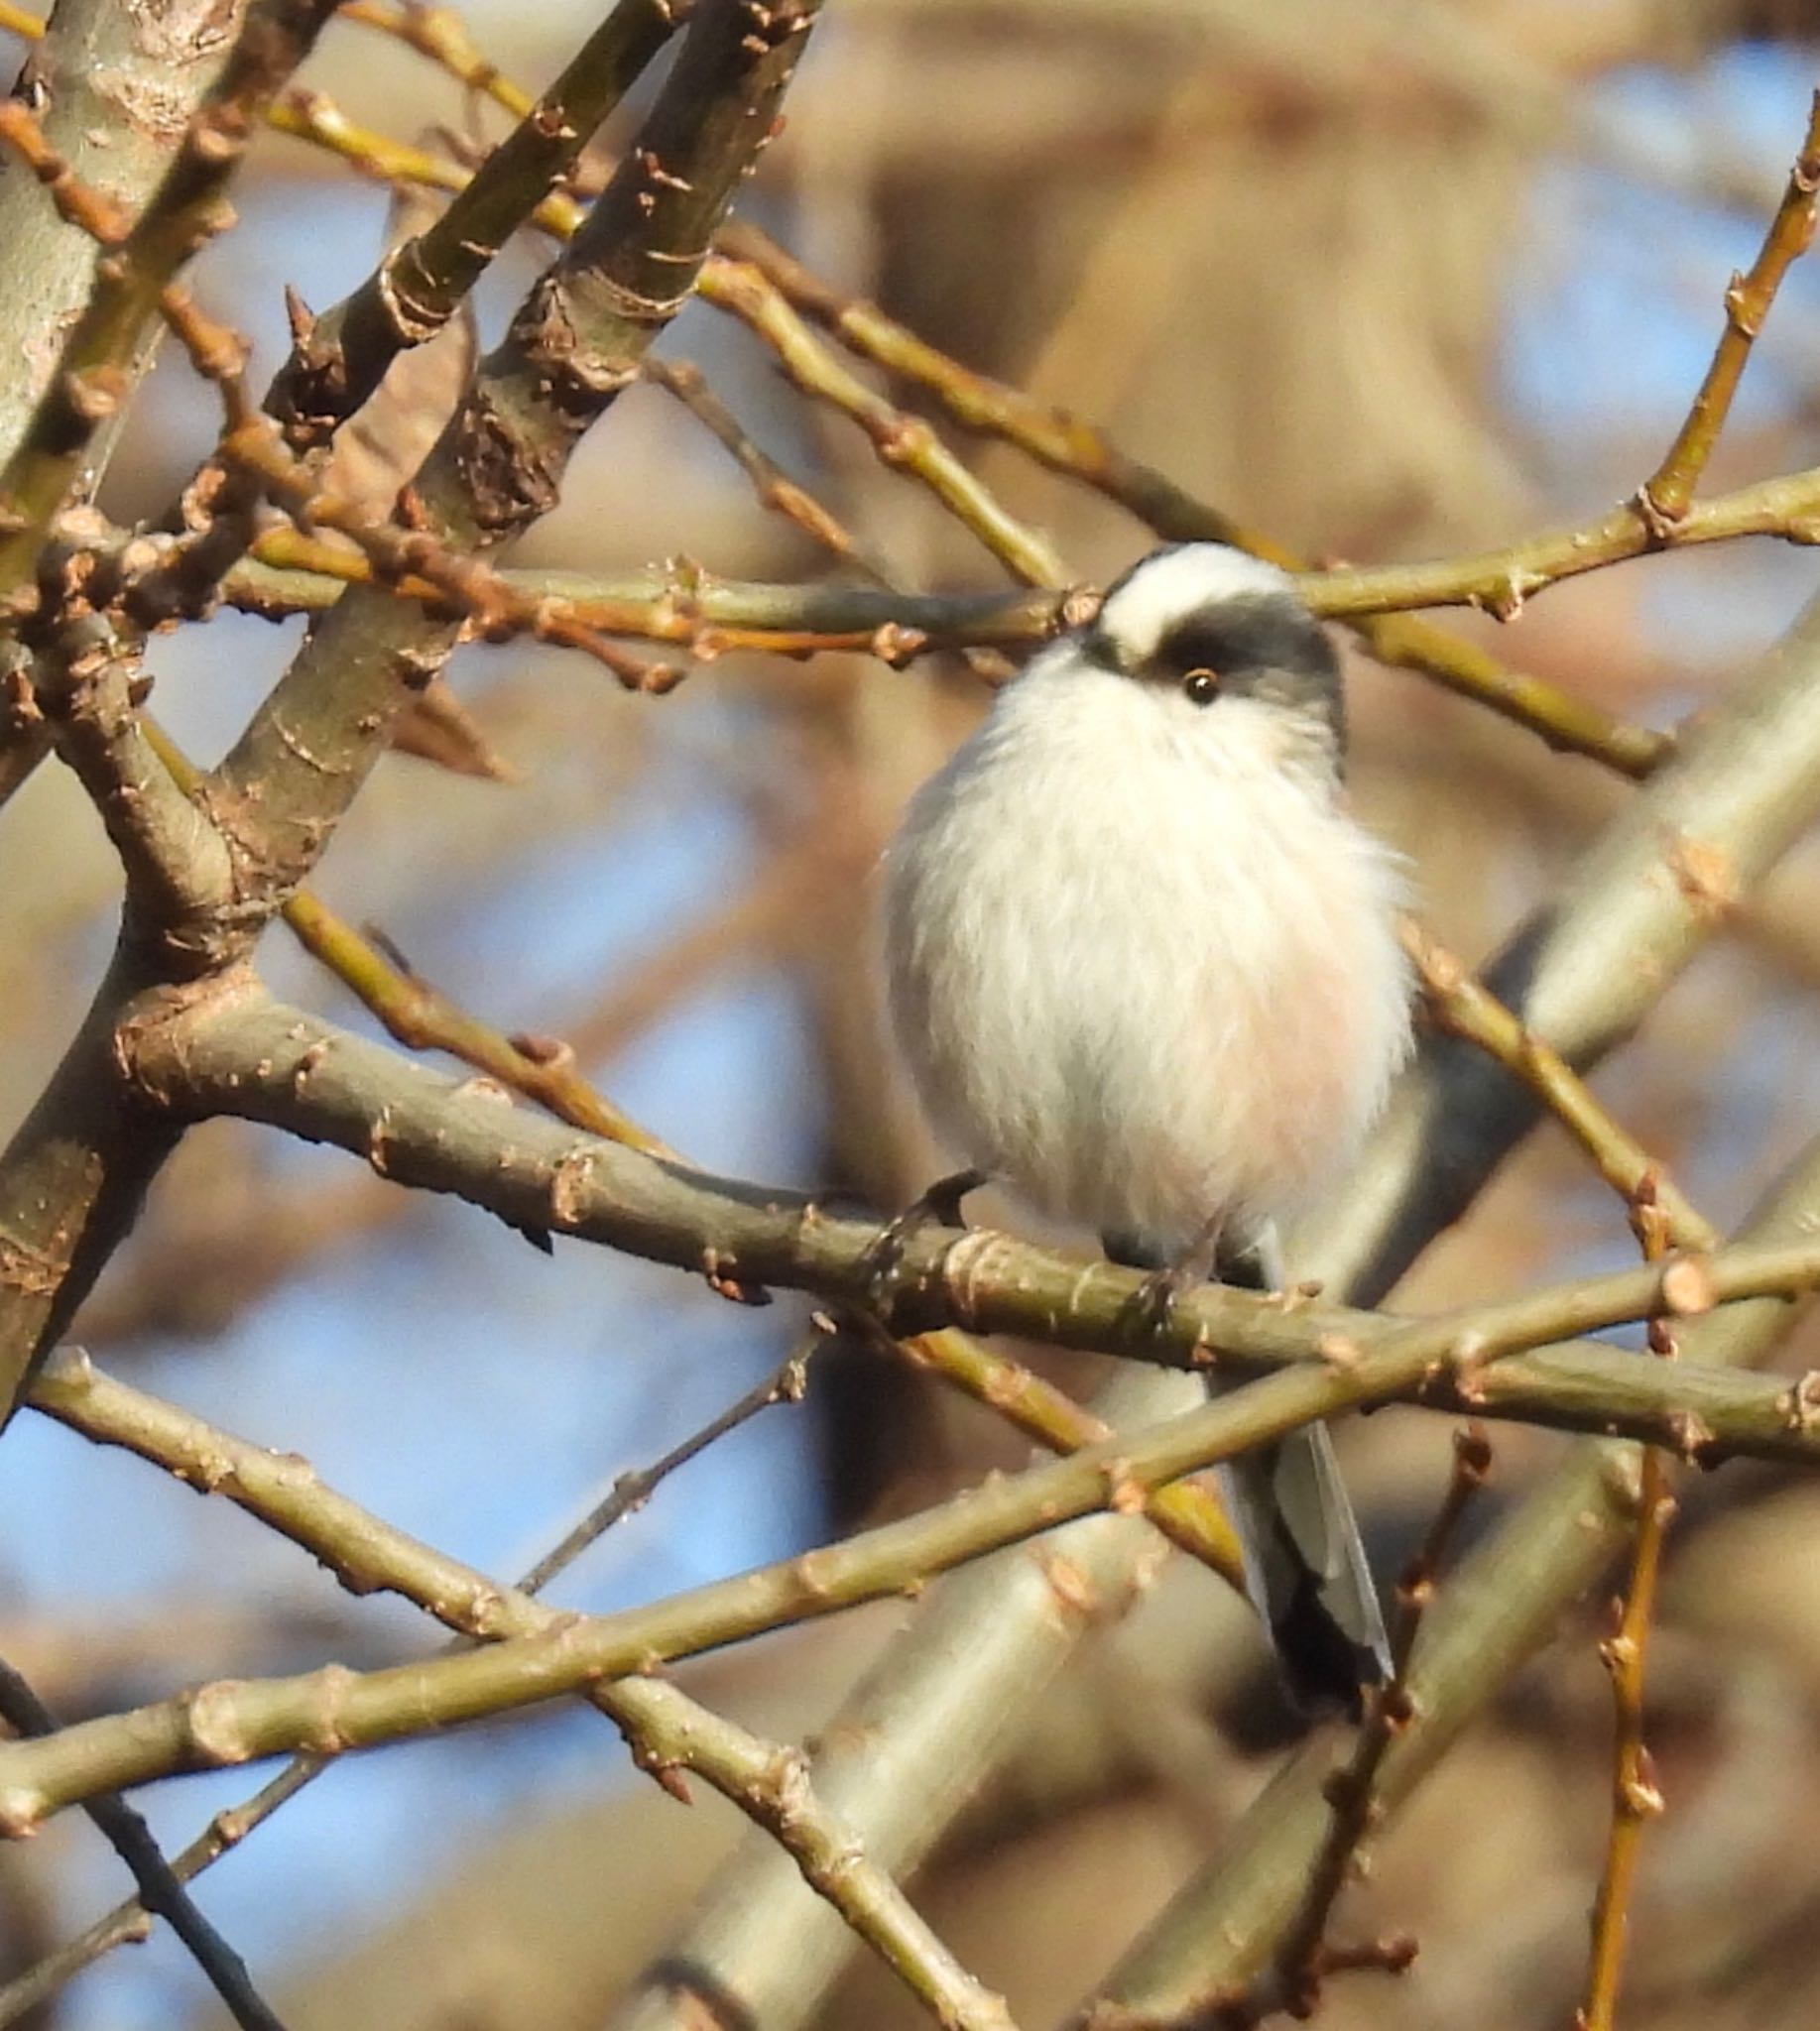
1145,969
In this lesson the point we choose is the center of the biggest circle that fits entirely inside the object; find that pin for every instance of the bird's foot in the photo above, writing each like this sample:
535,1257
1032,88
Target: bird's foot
881,1269
1149,1313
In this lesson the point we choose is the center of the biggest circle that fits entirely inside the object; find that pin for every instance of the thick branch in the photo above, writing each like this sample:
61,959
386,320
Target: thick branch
91,78
266,1062
75,1174
575,344
72,1179
1668,870
95,367
342,358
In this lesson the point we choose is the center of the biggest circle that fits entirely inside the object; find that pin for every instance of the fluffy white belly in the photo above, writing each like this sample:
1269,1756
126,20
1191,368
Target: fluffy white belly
1143,965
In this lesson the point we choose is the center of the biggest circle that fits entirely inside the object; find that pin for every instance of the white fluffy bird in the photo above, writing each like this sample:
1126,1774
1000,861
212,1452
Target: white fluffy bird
1145,968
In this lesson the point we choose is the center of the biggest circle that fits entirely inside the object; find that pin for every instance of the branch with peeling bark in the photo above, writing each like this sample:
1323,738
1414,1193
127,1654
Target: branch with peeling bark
144,258
339,358
573,345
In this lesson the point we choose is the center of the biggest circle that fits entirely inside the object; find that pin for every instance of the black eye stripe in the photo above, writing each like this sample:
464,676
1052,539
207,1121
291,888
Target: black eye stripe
1245,635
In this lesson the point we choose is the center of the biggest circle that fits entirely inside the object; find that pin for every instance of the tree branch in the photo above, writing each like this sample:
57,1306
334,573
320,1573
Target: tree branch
228,1827
91,68
177,876
1066,444
669,1733
573,345
291,573
343,356
1666,872
1506,1602
1664,496
95,366
72,1178
263,1061
335,1710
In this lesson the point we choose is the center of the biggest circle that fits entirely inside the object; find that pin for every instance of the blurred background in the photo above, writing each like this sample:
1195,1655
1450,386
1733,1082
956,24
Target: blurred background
1389,286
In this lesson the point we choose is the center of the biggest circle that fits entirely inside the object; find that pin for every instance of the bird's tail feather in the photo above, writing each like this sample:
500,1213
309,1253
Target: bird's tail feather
1305,1571
1305,1568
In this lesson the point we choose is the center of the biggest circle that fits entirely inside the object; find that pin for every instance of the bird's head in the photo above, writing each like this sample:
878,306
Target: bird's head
1201,624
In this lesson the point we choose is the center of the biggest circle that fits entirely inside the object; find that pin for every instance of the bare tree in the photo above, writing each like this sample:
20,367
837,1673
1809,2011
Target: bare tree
1271,258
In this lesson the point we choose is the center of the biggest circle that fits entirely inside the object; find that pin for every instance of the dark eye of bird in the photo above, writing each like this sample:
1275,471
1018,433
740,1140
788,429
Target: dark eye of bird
1202,687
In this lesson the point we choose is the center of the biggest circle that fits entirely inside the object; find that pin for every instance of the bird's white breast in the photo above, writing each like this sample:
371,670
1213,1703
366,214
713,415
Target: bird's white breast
1143,963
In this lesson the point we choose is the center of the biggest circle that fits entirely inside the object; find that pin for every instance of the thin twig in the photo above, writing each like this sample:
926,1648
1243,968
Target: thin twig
893,642
422,1017
903,443
1464,1006
775,487
442,35
1637,1798
1066,444
1664,496
1373,601
632,1490
1663,1218
296,573
1188,1513
460,580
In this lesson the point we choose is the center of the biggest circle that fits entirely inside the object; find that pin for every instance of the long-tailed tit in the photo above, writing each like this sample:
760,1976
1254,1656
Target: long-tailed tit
1144,967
